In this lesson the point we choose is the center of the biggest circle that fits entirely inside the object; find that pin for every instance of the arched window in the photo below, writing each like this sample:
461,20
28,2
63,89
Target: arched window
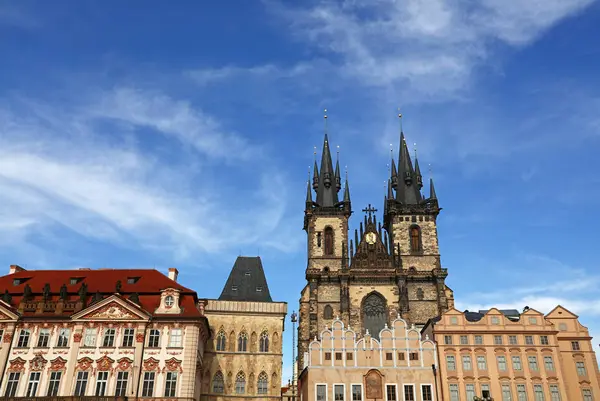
218,384
420,294
328,241
221,341
328,312
374,314
415,239
240,383
263,383
243,342
264,342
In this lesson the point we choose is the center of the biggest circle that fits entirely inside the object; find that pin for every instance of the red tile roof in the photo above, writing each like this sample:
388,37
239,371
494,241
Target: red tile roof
148,286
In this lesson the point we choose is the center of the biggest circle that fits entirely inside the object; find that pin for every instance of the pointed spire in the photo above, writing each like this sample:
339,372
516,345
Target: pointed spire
315,172
309,200
338,180
407,191
432,194
346,189
390,194
394,175
326,192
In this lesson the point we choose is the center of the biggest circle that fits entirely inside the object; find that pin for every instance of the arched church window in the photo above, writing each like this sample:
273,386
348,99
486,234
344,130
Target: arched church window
328,312
243,342
240,383
218,384
328,241
221,341
415,239
263,383
420,295
264,342
374,314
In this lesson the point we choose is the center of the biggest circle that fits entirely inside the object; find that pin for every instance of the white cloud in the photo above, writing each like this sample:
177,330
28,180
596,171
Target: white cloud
75,168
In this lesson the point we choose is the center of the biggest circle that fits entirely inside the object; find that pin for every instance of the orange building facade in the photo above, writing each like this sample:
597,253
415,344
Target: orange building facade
507,355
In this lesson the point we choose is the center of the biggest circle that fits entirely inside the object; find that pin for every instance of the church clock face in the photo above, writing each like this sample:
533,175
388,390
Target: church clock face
370,238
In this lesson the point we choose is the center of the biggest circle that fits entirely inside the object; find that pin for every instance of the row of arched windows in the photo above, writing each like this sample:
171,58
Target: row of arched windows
242,341
262,383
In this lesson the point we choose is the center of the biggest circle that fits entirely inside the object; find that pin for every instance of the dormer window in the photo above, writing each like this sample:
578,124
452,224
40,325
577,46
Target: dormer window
234,288
75,280
132,280
247,274
169,301
258,289
19,281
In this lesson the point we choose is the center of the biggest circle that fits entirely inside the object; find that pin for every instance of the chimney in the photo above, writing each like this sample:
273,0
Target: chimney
15,269
173,272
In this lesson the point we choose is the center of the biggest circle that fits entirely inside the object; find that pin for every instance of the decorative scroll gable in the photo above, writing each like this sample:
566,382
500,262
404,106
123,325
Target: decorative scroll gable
112,308
6,313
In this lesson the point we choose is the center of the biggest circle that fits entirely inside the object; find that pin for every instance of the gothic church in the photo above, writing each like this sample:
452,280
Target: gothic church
382,271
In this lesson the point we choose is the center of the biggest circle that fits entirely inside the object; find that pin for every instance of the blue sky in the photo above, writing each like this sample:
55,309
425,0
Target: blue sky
138,134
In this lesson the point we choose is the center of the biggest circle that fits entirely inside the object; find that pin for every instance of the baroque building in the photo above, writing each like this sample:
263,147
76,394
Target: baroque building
381,273
244,358
100,333
507,355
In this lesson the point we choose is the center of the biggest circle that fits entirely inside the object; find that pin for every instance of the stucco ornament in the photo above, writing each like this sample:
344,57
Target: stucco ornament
105,363
151,364
124,363
173,365
77,337
57,364
37,363
373,384
84,363
112,311
17,365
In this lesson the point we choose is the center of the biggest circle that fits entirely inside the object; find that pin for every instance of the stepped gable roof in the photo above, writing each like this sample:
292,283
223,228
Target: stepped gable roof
146,283
246,282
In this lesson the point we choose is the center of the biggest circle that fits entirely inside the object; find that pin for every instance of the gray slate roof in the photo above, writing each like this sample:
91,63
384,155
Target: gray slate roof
246,282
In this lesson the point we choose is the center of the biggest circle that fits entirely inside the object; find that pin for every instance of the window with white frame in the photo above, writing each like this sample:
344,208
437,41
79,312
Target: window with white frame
23,341
498,340
466,362
128,335
63,338
121,387
321,391
587,394
34,383
501,363
506,393
454,392
448,340
43,338
171,384
521,392
481,362
109,338
533,365
580,365
12,384
176,338
357,392
450,362
549,363
154,338
409,392
470,390
533,320
538,392
148,384
338,392
426,392
81,384
554,393
516,361
54,384
89,339
101,382
390,391
495,320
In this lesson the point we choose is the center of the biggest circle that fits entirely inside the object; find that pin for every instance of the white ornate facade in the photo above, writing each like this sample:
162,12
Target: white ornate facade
123,344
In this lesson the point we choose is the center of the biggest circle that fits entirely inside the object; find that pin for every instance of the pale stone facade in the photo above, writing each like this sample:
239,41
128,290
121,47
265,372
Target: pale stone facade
341,365
244,358
112,347
508,355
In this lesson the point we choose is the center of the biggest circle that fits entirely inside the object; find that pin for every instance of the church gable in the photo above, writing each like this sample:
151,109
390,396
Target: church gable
372,247
112,308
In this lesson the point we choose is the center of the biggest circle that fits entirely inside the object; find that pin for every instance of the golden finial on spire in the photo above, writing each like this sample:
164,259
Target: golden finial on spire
415,148
346,168
400,118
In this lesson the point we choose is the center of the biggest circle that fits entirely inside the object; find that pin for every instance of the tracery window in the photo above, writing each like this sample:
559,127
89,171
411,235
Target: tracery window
374,314
218,383
240,383
264,342
221,341
328,312
415,239
328,241
263,383
243,342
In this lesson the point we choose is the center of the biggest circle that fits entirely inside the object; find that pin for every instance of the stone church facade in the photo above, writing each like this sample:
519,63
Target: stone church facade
383,271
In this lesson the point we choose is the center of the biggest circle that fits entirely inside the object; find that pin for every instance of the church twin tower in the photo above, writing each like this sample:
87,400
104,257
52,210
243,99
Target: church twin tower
383,271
